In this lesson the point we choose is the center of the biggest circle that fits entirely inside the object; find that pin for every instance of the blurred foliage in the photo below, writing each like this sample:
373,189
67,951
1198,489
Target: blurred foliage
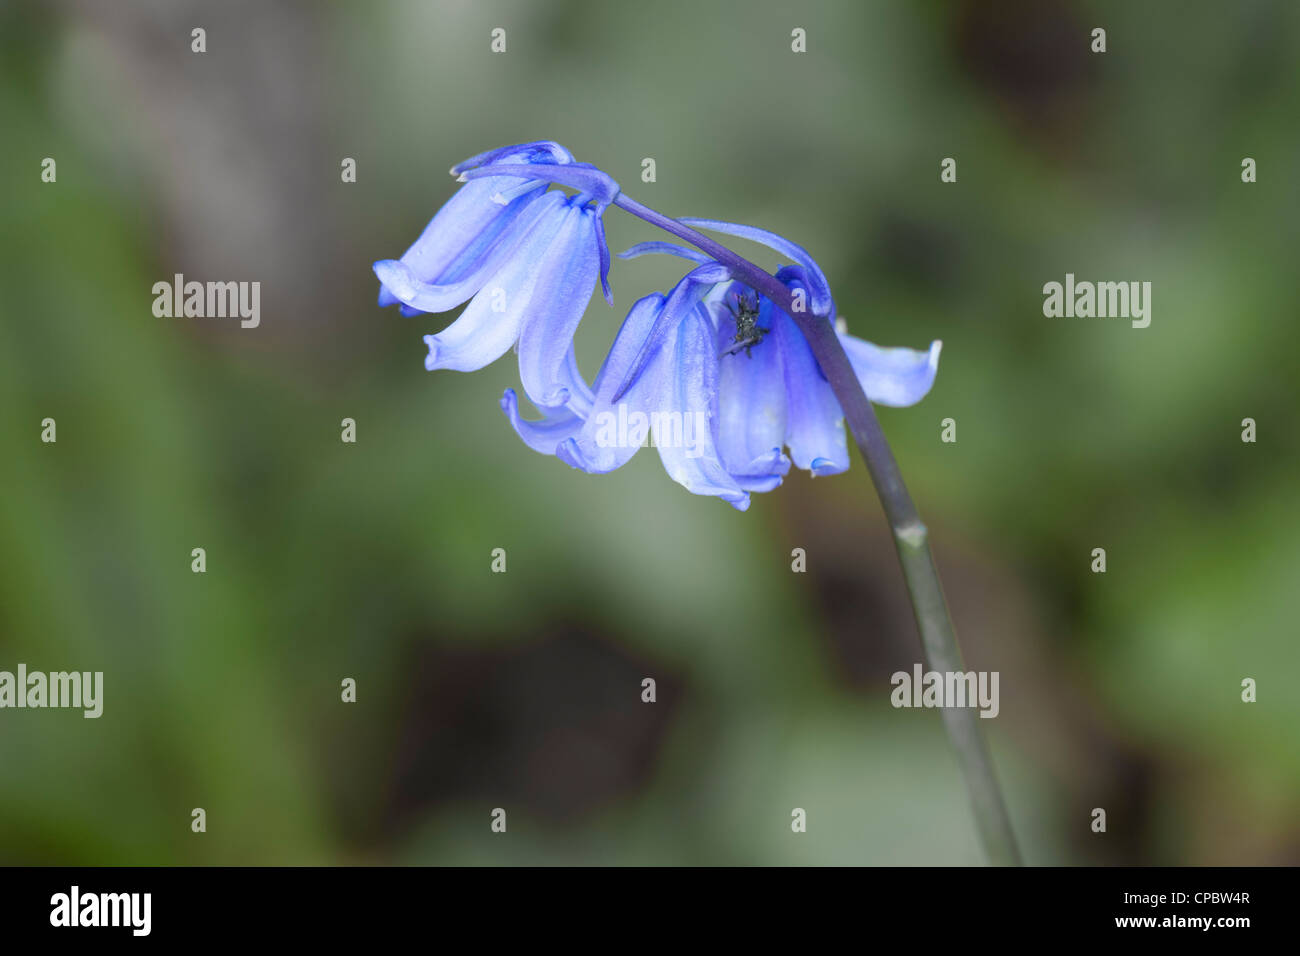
521,690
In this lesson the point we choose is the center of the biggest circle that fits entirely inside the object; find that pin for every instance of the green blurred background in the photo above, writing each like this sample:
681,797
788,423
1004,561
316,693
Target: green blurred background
478,690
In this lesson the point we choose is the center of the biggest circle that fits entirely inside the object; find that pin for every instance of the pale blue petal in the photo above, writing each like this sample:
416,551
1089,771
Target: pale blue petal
627,345
545,435
415,289
580,397
751,394
568,277
683,429
815,423
819,289
764,473
583,177
603,248
664,248
613,431
684,297
482,334
894,376
542,151
522,161
471,224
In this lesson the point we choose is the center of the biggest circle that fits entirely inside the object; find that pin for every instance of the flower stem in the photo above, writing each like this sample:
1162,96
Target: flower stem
911,537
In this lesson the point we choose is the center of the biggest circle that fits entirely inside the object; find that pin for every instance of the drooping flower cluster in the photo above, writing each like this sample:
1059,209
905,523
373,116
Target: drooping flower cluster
717,374
524,255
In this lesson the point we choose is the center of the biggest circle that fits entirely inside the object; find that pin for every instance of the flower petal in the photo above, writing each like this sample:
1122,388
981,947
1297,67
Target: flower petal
819,288
491,323
466,226
764,473
751,391
894,376
814,430
583,177
683,427
612,433
456,255
666,248
581,397
545,435
684,297
568,277
603,247
541,151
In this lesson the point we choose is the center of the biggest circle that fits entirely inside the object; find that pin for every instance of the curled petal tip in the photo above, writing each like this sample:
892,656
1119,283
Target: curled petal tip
582,177
556,397
397,277
774,462
665,248
386,297
569,453
431,360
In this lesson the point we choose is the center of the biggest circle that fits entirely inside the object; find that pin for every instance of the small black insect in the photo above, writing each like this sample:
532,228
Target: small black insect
748,331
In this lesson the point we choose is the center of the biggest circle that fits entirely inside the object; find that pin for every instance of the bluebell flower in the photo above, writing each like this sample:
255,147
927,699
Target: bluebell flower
724,381
526,258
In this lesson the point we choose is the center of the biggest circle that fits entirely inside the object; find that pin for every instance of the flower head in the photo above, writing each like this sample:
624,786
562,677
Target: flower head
718,373
725,382
525,257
